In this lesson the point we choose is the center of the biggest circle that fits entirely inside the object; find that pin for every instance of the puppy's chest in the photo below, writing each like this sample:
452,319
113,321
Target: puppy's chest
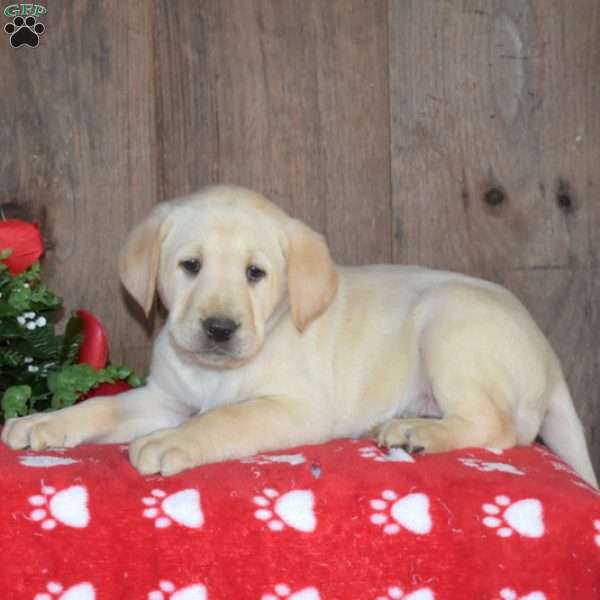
204,390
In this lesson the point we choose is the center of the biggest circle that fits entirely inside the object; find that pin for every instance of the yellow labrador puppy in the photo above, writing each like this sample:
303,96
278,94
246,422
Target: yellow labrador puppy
269,344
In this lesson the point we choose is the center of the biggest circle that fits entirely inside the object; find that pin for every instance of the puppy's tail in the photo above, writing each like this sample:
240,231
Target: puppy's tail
563,433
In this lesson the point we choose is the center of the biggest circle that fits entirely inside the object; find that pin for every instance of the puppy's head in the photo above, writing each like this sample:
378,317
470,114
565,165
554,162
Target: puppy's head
227,265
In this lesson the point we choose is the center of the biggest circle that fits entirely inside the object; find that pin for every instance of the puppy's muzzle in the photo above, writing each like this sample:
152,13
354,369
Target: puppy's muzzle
219,329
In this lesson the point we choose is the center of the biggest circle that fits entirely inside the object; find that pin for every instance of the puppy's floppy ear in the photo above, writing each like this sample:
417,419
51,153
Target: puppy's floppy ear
140,257
312,276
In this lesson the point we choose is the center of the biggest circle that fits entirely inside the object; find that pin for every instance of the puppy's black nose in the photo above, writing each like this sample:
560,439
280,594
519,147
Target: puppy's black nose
219,329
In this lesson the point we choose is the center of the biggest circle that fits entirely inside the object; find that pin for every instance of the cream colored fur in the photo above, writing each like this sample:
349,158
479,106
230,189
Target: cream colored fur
428,360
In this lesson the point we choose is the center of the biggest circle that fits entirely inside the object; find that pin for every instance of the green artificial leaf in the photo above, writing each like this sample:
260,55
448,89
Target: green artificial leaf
43,299
113,372
71,340
15,401
32,273
40,343
10,357
69,383
10,328
6,310
20,298
36,365
5,253
134,380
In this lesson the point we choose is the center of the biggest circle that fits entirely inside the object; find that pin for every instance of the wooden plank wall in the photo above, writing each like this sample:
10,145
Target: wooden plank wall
461,134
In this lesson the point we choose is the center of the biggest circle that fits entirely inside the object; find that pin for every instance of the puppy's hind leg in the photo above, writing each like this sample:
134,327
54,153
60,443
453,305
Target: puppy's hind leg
473,392
473,421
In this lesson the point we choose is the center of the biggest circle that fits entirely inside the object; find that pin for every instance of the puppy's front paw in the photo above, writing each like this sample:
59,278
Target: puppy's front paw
164,452
412,435
37,432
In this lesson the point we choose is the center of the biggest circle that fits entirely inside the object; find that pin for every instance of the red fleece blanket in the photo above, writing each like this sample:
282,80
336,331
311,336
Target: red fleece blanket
338,521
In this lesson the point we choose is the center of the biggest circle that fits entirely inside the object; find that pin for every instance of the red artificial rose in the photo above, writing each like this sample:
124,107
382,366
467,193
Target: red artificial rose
94,347
25,241
94,352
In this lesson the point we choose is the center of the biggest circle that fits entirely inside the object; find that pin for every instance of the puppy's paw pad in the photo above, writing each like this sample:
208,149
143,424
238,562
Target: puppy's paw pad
38,432
402,434
47,435
163,452
174,461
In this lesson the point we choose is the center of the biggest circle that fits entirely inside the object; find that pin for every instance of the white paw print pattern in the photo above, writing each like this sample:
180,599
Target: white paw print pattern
394,454
524,516
45,462
182,507
410,512
586,486
542,450
396,593
486,467
283,590
168,591
69,507
510,594
597,532
559,466
294,509
263,459
80,591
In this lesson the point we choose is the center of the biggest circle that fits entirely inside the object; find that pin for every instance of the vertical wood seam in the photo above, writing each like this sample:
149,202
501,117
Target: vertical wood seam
155,156
390,143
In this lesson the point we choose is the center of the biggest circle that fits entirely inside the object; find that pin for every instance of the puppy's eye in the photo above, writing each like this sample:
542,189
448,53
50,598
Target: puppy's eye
191,265
254,273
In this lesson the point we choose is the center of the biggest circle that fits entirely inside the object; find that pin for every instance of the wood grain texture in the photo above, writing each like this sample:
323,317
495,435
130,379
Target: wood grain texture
571,126
286,97
564,302
460,134
473,132
80,125
494,171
